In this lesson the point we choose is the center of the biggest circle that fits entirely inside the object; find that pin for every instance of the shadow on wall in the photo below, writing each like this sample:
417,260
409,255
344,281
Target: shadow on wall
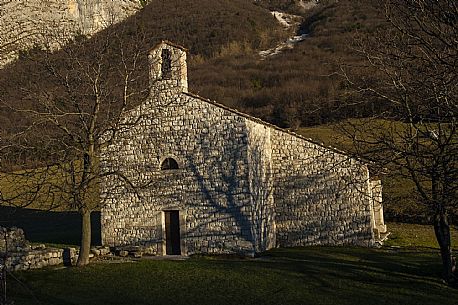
218,166
49,226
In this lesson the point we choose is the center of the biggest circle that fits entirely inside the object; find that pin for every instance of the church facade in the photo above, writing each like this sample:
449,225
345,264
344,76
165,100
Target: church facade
213,180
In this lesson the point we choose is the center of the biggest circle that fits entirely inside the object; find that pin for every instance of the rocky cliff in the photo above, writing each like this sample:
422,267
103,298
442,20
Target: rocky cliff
27,23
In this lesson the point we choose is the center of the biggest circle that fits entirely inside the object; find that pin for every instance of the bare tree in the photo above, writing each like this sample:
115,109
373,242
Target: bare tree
411,78
73,100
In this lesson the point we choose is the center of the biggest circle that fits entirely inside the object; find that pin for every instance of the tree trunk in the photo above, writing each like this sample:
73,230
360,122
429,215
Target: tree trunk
3,282
442,230
83,258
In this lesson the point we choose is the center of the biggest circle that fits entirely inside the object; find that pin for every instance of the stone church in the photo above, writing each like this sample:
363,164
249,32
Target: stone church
214,180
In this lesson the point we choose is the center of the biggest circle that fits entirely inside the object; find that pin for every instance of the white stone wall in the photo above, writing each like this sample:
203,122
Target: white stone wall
26,23
162,90
322,197
33,259
378,220
211,189
242,185
16,253
259,162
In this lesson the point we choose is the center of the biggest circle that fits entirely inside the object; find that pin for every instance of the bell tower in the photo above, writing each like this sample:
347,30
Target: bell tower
168,70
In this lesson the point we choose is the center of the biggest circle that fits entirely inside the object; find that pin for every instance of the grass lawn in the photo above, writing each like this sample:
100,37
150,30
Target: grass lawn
405,271
408,273
416,236
313,275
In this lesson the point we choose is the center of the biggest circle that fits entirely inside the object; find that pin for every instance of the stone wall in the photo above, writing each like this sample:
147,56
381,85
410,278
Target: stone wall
12,239
322,197
241,186
222,188
33,259
164,89
378,220
211,190
24,24
16,253
259,161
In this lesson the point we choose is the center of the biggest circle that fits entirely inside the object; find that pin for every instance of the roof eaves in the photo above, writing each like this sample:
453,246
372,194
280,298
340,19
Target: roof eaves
170,44
258,120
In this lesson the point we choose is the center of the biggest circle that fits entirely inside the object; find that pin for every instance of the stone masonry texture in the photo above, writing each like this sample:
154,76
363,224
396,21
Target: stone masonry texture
242,186
16,253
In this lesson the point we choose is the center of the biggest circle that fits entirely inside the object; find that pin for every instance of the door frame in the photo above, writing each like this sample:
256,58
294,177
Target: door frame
182,226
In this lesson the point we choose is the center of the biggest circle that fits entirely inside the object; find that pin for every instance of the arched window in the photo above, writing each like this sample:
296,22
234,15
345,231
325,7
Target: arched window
166,66
169,163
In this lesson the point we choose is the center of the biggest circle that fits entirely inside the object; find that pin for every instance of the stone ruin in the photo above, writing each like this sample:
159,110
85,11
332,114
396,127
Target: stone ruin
18,254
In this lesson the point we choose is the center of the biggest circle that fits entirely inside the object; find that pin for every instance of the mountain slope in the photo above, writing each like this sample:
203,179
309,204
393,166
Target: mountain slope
298,87
24,24
205,27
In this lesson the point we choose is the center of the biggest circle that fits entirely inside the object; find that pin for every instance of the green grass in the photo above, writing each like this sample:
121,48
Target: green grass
415,235
406,274
313,275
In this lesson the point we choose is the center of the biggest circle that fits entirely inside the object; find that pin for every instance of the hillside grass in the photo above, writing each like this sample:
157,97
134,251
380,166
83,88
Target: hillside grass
296,88
45,188
409,235
405,271
312,275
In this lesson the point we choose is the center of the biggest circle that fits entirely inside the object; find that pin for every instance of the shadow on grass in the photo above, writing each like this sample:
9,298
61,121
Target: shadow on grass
388,276
49,226
314,275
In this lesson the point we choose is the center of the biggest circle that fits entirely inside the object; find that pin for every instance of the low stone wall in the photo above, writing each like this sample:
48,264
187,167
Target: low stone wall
13,239
16,253
33,259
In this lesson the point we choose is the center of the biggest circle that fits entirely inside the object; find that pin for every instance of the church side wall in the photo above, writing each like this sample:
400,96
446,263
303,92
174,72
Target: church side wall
261,185
321,197
211,189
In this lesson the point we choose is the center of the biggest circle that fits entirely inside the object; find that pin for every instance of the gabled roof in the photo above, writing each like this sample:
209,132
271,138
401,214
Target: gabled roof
252,118
259,121
170,44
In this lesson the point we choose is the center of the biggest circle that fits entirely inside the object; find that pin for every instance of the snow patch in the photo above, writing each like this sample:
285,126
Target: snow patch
288,21
307,5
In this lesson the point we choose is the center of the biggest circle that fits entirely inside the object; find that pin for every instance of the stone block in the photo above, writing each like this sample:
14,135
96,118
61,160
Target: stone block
123,253
95,251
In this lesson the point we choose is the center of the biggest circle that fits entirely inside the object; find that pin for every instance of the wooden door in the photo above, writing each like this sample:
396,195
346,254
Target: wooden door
172,233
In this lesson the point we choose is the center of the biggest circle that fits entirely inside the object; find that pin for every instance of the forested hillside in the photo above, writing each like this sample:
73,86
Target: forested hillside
296,88
299,87
207,28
